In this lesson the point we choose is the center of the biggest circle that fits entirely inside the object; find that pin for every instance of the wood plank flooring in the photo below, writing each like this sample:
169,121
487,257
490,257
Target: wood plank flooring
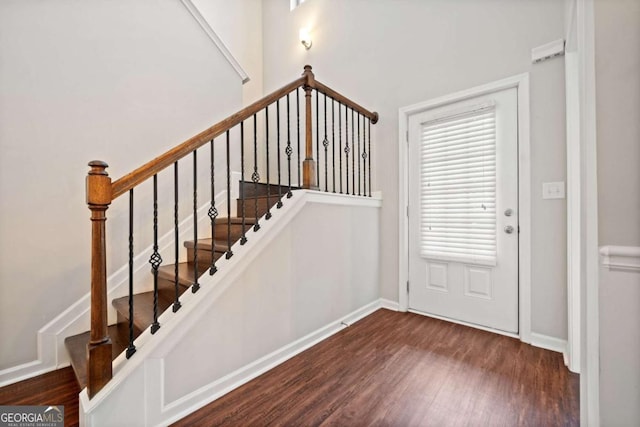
389,369
54,388
402,369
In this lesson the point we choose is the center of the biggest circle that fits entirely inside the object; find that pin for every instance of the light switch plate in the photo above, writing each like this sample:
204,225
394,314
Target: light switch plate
553,190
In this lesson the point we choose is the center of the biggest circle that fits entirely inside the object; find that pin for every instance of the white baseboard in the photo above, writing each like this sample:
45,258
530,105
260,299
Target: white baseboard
389,305
550,343
186,405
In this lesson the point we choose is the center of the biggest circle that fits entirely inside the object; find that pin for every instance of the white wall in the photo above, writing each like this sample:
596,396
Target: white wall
617,28
118,81
291,285
388,54
617,62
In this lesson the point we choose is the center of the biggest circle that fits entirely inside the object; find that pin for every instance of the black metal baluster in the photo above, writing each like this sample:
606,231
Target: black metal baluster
131,348
369,155
364,156
333,141
255,177
346,145
288,150
340,142
196,285
354,154
266,133
279,204
359,175
213,211
155,259
317,139
325,144
229,253
298,121
243,239
176,303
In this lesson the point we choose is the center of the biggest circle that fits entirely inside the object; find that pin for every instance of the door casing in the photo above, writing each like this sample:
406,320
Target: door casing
521,83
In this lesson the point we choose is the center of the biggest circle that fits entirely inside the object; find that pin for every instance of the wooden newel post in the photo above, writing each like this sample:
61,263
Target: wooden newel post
309,164
99,370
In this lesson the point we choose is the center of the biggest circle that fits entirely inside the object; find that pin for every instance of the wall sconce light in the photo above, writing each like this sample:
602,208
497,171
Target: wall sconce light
305,38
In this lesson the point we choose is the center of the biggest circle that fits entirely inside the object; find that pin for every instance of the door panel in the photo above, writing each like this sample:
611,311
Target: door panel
463,219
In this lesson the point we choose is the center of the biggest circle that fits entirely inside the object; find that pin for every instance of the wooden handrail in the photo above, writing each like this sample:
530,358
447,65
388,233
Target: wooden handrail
101,192
322,88
146,171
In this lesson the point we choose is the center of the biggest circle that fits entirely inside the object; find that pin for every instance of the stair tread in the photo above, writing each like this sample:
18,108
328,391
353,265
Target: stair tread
77,347
220,245
185,272
143,307
236,220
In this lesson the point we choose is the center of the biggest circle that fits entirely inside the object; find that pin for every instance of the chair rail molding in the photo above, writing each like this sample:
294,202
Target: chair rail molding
624,258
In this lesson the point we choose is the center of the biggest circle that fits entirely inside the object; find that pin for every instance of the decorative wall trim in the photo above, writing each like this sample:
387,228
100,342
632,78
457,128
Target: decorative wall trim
550,343
389,305
624,258
193,10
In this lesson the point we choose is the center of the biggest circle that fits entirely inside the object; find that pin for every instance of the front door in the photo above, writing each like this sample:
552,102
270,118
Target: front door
463,218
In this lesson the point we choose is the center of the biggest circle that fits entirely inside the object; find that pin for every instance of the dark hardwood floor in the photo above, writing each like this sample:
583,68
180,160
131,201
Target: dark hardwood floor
389,369
54,388
402,369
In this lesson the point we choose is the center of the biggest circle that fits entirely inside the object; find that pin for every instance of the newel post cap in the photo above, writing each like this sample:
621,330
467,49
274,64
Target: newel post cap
98,184
98,167
309,75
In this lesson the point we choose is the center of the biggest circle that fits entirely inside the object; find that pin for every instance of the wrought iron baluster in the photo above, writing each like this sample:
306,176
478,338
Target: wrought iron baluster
213,211
131,348
288,150
229,253
369,155
266,134
196,285
317,138
279,204
325,144
243,239
354,154
155,259
359,175
346,144
298,121
340,142
255,177
176,247
333,141
364,157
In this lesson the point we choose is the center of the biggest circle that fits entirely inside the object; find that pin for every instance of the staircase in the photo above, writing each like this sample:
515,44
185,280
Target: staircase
252,196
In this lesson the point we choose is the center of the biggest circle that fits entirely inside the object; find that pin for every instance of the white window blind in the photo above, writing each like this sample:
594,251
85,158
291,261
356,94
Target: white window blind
458,187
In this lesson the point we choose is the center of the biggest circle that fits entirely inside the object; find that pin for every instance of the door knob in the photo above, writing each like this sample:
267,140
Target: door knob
508,212
508,229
